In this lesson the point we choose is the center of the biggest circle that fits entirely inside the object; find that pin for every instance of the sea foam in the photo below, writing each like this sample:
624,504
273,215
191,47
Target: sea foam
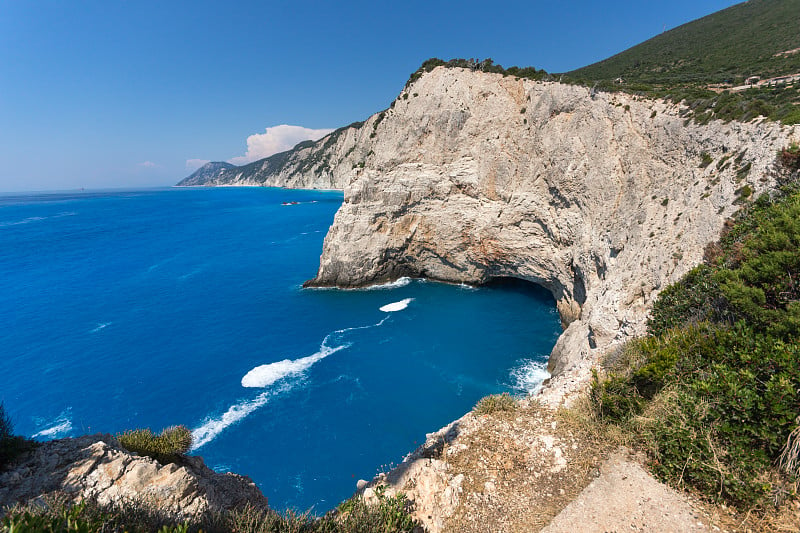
213,426
396,284
59,427
396,306
100,325
529,376
266,375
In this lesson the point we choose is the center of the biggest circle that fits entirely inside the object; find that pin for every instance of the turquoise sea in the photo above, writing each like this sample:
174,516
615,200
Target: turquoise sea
150,308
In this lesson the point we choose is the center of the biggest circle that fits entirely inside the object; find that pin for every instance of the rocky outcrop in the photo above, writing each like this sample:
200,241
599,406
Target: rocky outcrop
95,467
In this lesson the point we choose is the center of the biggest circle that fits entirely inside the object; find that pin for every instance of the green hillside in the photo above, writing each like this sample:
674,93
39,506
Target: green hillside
727,46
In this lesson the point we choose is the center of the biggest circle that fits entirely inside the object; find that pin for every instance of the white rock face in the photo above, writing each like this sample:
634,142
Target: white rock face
469,176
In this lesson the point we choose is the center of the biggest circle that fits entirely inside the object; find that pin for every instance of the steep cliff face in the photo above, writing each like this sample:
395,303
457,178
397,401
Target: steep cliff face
601,198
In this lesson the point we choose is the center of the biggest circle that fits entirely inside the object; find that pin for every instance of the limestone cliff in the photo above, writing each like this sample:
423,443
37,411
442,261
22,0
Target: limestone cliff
601,198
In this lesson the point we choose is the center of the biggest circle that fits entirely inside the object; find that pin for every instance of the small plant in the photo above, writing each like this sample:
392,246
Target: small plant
389,514
790,157
495,403
664,202
165,448
745,192
705,159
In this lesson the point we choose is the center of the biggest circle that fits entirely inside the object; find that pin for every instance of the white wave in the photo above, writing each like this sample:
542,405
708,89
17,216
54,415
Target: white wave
396,284
529,376
23,221
101,325
266,375
396,306
213,426
190,274
59,427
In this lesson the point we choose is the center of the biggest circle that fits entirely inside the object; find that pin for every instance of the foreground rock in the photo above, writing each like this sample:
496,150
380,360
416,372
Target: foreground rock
95,467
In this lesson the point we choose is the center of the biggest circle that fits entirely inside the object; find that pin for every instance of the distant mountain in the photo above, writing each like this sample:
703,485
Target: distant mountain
302,167
759,37
208,173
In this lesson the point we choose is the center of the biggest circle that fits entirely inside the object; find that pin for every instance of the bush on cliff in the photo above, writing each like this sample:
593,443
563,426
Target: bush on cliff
712,394
495,403
168,447
11,446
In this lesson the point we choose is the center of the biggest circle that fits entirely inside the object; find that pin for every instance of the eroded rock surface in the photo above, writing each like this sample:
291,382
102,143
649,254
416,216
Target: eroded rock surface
96,467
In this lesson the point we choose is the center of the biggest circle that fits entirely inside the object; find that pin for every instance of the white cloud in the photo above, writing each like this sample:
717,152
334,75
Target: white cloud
276,139
194,164
147,164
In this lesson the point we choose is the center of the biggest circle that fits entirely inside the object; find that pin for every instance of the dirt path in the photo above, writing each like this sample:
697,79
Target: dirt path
626,498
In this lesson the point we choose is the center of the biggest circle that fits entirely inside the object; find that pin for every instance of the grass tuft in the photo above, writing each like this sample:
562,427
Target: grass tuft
495,403
168,447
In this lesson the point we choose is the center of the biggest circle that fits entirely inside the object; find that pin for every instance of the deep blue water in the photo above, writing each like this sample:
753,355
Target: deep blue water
153,308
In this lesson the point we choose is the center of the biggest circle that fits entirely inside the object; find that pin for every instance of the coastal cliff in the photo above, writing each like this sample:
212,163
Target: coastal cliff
602,198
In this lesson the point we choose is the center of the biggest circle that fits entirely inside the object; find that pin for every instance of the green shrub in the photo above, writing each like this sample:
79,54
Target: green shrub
388,515
11,446
57,515
168,447
712,394
495,403
790,156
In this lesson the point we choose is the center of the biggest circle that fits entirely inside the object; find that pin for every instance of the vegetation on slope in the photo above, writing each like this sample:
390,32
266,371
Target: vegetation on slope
699,62
55,514
726,46
485,65
11,446
712,394
168,447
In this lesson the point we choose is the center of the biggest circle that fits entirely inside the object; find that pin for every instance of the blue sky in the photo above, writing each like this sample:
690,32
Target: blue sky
124,93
